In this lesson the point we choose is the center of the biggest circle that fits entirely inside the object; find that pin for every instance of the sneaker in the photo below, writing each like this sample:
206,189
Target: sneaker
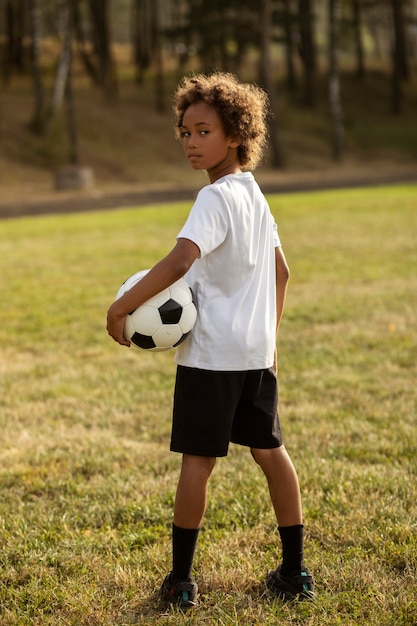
180,593
298,585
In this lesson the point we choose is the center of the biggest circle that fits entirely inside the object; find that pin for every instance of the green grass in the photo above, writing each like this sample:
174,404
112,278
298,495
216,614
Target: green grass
86,479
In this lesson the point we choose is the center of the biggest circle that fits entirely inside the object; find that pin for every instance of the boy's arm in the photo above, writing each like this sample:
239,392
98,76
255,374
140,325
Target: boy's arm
162,275
282,275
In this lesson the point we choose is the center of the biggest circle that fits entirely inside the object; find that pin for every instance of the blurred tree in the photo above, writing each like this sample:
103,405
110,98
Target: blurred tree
15,53
64,28
357,34
400,68
334,81
245,33
63,79
222,32
93,36
141,37
73,156
178,36
268,81
208,25
289,37
83,48
157,53
106,67
148,36
307,49
44,116
38,118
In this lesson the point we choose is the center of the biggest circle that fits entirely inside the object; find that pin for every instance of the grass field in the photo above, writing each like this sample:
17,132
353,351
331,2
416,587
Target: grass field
87,481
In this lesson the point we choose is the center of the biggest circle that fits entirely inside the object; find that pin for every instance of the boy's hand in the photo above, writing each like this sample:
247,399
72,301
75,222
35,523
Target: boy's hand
115,326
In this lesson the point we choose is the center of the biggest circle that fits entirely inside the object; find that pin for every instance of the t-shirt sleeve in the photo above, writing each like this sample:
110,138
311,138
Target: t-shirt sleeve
277,241
206,225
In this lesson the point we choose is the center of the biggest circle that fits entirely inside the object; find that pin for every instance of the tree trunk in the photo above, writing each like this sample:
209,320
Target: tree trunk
241,39
64,21
38,119
400,70
357,29
307,50
99,10
268,80
141,36
289,45
16,27
72,126
64,83
157,50
8,55
400,38
85,56
334,81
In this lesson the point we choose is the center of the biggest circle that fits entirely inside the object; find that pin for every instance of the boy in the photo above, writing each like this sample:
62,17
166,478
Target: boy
226,388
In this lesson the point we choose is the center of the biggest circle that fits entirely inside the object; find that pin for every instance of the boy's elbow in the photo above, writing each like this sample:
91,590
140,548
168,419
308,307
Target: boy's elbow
183,256
281,266
282,272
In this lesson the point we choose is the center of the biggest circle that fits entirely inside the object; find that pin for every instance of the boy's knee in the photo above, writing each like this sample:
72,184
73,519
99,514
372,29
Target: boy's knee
199,463
265,457
260,455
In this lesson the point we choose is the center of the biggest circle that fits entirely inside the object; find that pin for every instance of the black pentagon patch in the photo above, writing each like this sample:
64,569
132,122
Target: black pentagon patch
170,312
185,335
143,341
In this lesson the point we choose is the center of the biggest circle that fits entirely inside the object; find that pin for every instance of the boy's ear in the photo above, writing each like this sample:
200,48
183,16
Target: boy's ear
234,143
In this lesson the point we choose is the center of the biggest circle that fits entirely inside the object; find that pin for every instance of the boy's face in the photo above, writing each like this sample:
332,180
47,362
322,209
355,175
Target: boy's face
205,143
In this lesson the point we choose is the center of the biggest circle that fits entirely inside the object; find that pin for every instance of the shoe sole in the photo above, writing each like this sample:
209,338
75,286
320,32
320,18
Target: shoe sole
286,595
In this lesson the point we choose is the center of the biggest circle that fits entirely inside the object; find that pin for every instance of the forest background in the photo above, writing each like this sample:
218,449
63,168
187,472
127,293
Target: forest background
86,88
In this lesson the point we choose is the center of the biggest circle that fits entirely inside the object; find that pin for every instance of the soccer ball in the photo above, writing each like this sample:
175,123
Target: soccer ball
162,322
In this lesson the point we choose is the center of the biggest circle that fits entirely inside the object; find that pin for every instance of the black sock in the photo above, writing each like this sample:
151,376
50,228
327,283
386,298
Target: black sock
292,538
184,541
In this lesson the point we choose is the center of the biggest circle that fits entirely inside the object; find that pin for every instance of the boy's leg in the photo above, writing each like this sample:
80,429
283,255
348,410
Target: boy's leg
190,504
292,578
191,496
285,496
283,484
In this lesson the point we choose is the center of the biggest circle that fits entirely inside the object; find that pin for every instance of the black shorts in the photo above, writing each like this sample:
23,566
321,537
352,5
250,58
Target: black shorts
213,408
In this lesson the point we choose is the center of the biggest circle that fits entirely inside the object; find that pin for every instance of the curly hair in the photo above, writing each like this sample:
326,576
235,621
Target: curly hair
243,109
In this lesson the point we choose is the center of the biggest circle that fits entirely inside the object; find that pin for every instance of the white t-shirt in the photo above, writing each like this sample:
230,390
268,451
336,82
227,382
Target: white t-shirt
233,280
